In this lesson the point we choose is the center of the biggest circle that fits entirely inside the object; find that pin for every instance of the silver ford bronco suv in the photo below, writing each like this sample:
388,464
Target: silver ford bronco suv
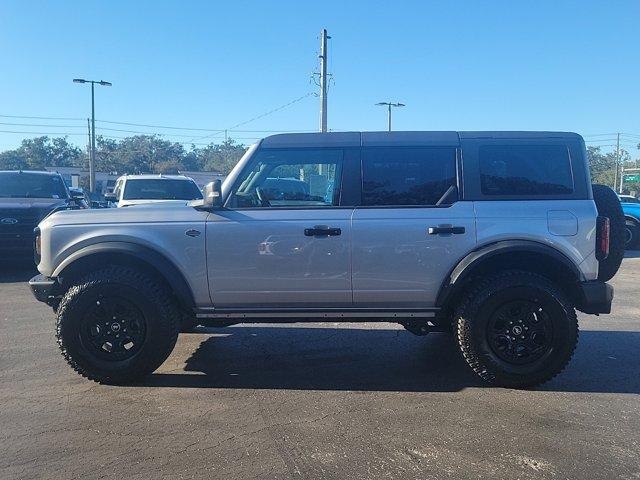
494,237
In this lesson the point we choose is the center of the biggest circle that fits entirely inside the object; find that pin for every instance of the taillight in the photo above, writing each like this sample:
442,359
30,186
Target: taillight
603,236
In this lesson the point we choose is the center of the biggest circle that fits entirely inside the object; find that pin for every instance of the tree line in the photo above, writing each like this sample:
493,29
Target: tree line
136,154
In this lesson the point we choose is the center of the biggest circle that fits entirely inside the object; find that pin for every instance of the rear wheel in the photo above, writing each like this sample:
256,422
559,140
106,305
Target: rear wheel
516,329
117,325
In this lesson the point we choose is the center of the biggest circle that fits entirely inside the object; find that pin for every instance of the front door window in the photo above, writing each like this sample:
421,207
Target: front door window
290,178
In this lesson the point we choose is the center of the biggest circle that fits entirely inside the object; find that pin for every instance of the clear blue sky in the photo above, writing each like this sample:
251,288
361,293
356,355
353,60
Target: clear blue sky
466,65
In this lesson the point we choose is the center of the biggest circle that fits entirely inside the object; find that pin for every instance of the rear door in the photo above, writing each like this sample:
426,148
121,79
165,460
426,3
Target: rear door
411,229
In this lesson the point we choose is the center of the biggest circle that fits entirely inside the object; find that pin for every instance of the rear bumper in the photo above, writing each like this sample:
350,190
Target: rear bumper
45,289
595,297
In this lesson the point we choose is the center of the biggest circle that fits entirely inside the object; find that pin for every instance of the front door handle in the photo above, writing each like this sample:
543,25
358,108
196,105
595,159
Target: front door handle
322,231
446,229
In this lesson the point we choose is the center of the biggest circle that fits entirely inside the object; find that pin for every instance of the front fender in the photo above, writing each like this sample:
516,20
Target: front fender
165,267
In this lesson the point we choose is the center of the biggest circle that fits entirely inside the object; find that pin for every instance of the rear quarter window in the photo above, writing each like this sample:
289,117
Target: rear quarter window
511,170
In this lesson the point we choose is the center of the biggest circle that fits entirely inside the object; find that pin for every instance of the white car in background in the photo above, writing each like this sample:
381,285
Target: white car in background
140,189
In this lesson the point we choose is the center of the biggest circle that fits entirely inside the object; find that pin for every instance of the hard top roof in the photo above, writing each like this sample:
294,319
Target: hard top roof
397,138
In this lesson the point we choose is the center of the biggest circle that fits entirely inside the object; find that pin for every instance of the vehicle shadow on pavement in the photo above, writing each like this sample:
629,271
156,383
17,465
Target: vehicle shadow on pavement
302,358
380,360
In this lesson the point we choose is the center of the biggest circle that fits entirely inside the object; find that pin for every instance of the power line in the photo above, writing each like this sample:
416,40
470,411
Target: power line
40,125
42,118
145,133
22,132
41,133
162,126
260,116
147,125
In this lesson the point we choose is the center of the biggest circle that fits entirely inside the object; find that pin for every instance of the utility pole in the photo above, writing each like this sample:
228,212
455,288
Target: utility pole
89,150
389,105
323,79
619,164
92,154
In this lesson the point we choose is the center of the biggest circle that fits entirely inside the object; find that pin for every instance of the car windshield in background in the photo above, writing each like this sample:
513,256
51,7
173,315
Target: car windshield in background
31,185
161,189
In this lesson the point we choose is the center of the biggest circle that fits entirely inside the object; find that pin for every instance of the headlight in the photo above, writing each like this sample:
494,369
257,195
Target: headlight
37,245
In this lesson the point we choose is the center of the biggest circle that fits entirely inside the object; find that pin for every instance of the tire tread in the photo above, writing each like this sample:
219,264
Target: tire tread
156,292
483,365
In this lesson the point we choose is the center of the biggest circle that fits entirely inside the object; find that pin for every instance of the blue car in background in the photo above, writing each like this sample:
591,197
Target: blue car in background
631,209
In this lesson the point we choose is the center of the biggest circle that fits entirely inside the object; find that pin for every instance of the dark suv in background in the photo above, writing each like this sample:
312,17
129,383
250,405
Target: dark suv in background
27,197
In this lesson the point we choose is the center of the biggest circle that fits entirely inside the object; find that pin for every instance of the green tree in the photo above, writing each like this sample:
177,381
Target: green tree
602,166
12,160
40,152
219,158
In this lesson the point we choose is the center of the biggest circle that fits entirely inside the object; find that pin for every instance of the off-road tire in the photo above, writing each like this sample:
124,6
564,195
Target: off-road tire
608,205
632,236
150,296
472,320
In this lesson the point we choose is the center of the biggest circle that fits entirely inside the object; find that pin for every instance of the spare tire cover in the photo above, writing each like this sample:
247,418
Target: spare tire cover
608,205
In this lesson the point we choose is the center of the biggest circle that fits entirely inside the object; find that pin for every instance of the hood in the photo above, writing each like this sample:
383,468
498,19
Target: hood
129,203
25,203
160,212
29,210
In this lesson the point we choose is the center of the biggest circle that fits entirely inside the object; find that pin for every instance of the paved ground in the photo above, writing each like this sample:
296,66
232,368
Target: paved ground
318,401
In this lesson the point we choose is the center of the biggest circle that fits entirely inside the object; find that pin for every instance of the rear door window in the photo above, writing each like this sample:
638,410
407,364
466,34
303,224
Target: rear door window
510,170
407,176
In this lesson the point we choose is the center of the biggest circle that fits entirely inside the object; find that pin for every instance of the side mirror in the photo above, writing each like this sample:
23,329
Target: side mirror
76,195
213,194
110,197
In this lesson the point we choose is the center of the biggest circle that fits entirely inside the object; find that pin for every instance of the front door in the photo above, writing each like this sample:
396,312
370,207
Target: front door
282,240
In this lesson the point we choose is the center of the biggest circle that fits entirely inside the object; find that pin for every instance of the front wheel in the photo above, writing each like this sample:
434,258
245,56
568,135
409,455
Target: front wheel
117,325
516,329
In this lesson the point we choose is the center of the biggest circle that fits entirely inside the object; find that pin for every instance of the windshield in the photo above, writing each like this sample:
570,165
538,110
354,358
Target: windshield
31,185
161,189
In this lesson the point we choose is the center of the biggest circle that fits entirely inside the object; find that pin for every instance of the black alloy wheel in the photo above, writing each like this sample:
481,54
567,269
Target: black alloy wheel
520,332
114,329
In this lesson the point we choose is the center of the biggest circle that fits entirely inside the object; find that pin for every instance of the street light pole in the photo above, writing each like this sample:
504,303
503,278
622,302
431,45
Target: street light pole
389,105
92,163
92,153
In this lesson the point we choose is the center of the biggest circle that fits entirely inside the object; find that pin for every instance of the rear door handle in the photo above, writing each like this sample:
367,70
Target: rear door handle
322,231
446,229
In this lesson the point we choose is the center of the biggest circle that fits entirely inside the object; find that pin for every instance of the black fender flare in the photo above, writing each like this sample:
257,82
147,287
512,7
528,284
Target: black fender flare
465,267
165,267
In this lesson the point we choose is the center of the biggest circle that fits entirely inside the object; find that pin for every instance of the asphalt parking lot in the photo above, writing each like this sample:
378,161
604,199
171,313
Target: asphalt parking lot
342,401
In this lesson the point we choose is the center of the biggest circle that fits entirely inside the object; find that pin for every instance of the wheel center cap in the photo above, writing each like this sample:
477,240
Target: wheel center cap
517,330
115,327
